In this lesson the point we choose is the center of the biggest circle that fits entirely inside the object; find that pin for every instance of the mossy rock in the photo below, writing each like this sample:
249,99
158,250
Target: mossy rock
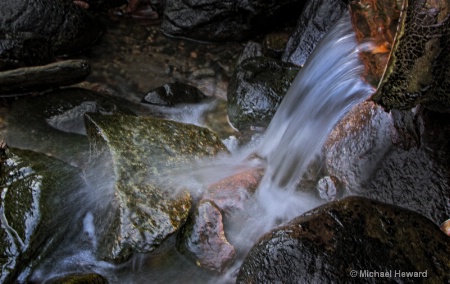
141,151
411,62
36,190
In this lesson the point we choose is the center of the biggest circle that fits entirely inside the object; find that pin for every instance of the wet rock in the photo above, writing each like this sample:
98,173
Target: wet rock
275,43
79,279
213,20
53,123
417,71
142,151
329,188
203,239
174,93
398,157
23,49
354,234
232,193
256,89
34,206
316,19
39,78
252,49
445,227
69,28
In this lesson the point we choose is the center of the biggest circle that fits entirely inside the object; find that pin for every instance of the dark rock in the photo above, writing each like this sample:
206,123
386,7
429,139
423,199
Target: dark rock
256,89
23,49
34,206
398,157
53,123
275,43
354,234
141,151
214,20
79,279
39,78
316,19
252,49
69,28
174,93
203,239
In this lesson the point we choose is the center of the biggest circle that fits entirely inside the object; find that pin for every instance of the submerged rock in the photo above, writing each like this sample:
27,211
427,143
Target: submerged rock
141,151
53,123
342,240
69,28
36,191
316,19
256,89
397,157
214,20
172,94
79,279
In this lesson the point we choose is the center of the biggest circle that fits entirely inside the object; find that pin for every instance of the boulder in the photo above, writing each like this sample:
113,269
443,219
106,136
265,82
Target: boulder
348,241
214,20
400,157
19,49
256,90
141,151
315,20
36,215
69,28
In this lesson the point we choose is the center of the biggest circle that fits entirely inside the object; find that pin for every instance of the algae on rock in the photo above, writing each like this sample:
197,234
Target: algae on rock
145,207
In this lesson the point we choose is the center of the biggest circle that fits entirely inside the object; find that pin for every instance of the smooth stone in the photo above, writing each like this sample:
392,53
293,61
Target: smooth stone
329,243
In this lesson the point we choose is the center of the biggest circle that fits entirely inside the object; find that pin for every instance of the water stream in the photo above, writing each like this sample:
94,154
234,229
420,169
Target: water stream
324,90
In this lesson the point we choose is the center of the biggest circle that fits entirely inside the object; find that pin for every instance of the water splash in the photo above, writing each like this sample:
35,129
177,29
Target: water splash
324,90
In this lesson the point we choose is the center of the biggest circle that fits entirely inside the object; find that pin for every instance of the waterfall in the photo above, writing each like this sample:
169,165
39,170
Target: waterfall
324,90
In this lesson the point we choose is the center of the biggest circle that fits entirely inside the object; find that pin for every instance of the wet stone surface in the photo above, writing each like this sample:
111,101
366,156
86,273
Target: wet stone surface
327,243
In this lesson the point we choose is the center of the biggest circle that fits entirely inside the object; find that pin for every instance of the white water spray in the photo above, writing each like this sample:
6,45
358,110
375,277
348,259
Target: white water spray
325,89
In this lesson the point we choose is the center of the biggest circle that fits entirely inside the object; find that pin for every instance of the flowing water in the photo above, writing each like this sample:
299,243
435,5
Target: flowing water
324,90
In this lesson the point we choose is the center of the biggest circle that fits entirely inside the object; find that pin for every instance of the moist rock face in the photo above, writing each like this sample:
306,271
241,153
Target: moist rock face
315,20
69,28
329,243
398,157
36,193
172,94
256,90
214,20
141,151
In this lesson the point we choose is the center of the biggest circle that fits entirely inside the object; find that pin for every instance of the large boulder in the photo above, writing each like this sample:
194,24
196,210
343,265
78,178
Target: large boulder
36,215
315,20
18,49
400,157
141,152
69,28
347,241
256,90
215,20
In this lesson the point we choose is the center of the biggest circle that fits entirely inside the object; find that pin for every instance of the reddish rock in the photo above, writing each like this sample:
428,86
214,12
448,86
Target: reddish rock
231,194
203,239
